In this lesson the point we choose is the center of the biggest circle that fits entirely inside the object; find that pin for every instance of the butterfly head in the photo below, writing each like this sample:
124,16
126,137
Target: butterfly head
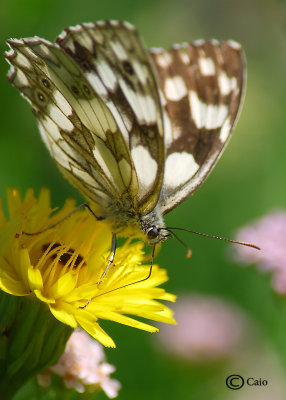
156,235
153,227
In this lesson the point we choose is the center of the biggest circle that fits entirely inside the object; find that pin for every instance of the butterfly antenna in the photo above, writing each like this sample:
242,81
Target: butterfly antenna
214,237
189,251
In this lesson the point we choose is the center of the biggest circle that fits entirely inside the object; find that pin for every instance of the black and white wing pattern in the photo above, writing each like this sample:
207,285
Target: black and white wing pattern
135,131
202,85
96,99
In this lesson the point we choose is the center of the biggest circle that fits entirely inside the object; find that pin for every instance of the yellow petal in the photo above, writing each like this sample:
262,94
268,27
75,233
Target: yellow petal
14,287
82,292
14,202
122,319
63,286
169,297
44,201
41,296
88,323
35,279
65,314
24,265
7,233
29,196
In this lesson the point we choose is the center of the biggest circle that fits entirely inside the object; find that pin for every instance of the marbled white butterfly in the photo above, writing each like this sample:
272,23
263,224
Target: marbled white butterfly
136,131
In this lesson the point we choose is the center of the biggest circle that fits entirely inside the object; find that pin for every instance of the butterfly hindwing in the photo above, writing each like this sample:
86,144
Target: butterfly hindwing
202,84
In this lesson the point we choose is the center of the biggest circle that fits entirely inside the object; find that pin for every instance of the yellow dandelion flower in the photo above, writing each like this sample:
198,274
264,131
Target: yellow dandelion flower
62,266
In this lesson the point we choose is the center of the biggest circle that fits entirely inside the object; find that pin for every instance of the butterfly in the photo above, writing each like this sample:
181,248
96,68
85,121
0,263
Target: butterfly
137,131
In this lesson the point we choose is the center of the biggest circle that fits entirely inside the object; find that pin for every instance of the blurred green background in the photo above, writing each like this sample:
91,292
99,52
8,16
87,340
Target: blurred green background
248,181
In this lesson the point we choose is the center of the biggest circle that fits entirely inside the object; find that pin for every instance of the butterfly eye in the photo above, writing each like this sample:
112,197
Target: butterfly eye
152,232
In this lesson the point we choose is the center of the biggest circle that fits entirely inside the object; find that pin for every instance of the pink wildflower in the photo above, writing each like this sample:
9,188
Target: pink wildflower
208,329
83,366
269,233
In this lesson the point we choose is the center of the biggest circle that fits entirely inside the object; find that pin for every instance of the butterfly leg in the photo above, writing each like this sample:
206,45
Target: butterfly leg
128,284
111,258
85,205
110,261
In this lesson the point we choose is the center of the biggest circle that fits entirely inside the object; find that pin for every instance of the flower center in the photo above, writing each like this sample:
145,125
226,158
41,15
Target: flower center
65,257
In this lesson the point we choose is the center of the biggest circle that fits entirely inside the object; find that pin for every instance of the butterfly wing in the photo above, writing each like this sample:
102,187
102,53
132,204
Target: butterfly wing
202,85
96,99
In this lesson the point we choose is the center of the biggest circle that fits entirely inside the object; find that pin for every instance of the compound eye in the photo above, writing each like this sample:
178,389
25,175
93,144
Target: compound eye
152,232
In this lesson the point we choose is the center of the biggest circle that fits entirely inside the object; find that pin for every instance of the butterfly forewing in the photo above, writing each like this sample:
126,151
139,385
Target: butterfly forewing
119,70
99,111
202,84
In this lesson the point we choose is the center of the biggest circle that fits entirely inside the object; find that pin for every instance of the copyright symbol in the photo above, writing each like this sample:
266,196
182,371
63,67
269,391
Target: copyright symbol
234,382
